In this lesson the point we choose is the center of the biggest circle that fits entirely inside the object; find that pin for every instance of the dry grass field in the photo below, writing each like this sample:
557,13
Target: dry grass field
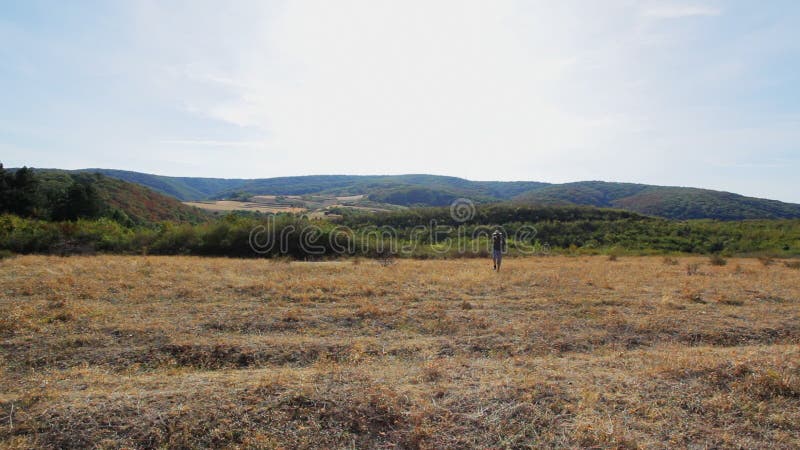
315,205
233,205
184,352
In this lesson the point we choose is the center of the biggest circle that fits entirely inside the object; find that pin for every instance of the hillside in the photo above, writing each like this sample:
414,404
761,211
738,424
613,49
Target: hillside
664,201
432,190
182,188
142,204
377,186
58,195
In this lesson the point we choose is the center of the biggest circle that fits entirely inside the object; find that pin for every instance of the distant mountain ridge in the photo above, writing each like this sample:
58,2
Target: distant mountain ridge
182,188
434,190
663,201
197,188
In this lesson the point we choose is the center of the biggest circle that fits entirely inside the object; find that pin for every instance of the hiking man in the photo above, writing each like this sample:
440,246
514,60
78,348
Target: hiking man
498,248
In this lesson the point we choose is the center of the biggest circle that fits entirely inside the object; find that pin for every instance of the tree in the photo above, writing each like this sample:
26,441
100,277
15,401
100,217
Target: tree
18,192
3,187
80,201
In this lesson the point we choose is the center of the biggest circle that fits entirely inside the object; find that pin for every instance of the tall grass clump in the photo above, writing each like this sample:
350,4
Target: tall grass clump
717,260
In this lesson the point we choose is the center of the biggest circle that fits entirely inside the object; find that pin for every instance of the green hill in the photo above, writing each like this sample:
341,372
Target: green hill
182,188
188,188
663,201
434,190
145,205
62,195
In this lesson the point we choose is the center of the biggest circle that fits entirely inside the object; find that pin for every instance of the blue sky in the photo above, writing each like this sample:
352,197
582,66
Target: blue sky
691,93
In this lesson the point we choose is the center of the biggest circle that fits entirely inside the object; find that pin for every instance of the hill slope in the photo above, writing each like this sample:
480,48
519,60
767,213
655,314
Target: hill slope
143,204
114,198
189,188
663,201
182,188
434,190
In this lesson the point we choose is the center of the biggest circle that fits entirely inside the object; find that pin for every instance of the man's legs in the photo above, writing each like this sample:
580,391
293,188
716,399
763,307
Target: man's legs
499,260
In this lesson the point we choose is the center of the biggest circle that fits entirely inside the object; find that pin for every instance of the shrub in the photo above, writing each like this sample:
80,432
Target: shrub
717,260
670,261
692,269
176,239
792,264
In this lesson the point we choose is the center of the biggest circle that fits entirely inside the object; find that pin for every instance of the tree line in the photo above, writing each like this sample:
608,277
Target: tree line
22,193
296,236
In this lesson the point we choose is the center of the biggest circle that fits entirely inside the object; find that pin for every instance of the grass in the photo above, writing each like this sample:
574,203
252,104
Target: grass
232,205
670,261
315,205
126,351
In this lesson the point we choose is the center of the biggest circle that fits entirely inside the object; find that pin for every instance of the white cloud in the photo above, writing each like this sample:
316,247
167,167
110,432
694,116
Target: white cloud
542,90
433,86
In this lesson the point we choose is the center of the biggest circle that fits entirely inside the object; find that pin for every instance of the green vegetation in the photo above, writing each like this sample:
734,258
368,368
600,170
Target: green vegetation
430,190
52,211
187,188
419,233
669,202
592,230
67,196
182,188
414,196
18,193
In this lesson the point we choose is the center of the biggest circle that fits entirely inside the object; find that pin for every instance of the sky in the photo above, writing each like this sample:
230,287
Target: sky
686,93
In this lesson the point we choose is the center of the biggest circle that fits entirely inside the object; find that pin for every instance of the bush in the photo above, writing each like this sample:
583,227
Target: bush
560,231
176,239
717,260
6,254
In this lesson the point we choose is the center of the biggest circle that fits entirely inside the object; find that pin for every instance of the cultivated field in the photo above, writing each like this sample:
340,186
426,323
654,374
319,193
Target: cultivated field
184,352
315,204
233,205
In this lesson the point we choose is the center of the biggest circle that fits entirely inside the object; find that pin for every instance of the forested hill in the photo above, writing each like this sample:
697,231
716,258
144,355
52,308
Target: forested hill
182,188
433,190
415,189
663,201
61,195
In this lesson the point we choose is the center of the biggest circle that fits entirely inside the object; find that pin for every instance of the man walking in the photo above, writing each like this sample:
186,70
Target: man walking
498,248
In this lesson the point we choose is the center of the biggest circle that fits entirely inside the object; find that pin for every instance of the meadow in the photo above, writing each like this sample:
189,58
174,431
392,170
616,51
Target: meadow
314,206
233,205
552,351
